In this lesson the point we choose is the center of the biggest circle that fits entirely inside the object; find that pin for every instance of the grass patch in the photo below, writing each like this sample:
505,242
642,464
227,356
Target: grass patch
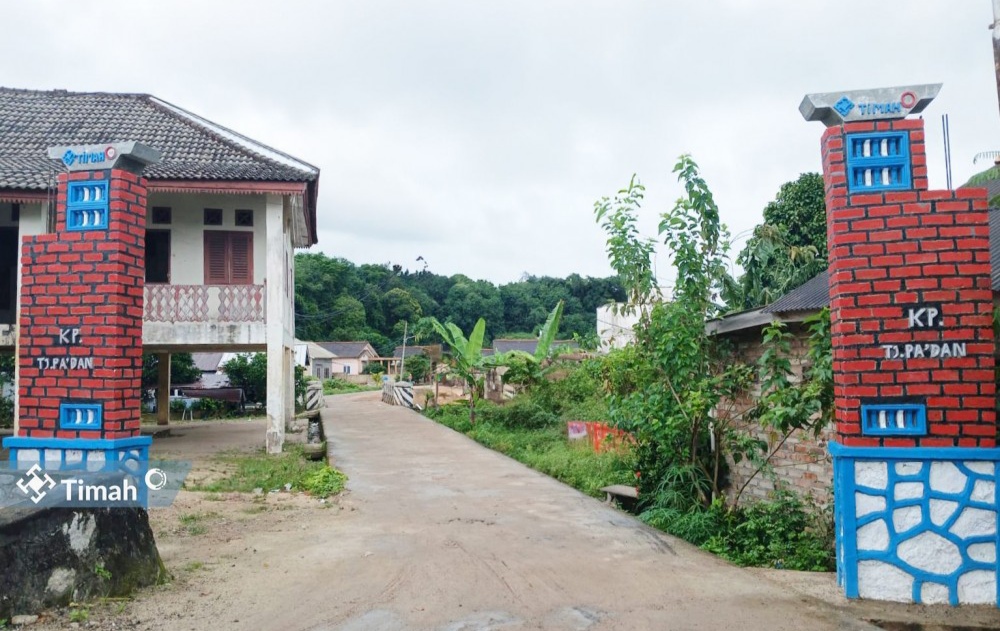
257,470
543,448
194,523
339,386
194,566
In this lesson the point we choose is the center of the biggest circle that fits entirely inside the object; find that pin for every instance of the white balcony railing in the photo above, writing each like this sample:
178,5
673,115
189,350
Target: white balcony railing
204,303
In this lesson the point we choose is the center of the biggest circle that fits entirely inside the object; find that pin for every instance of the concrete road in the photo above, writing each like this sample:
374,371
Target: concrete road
447,535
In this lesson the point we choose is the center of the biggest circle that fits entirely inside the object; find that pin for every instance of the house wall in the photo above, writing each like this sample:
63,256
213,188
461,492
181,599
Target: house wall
187,244
322,368
802,463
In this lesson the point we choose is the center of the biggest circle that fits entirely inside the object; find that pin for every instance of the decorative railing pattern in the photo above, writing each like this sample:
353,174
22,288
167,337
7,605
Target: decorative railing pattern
204,303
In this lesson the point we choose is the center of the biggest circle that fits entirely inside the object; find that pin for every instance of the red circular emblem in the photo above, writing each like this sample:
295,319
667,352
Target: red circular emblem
908,99
110,153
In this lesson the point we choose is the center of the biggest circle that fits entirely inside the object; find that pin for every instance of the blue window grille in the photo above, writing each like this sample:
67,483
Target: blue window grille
88,416
894,419
878,161
87,205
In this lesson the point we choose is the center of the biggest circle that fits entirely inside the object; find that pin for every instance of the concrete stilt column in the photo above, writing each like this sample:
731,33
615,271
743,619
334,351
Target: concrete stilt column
162,388
280,324
289,386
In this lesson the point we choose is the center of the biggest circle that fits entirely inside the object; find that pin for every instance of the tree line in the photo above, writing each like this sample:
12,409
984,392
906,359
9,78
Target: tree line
336,300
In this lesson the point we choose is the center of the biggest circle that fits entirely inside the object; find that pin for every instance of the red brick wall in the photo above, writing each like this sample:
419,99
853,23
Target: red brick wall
802,462
898,249
91,281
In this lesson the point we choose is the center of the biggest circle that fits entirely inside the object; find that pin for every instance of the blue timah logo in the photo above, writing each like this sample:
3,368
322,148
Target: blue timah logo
844,106
87,157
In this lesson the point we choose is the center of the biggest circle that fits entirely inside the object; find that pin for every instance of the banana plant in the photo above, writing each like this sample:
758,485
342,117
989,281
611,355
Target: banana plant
467,356
525,369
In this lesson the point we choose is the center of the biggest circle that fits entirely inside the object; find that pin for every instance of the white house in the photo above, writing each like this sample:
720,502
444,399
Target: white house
224,216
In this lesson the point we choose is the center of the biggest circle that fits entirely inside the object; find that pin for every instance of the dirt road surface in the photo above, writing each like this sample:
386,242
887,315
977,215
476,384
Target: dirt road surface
438,533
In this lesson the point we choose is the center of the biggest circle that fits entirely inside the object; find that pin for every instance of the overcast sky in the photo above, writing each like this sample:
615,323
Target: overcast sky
478,135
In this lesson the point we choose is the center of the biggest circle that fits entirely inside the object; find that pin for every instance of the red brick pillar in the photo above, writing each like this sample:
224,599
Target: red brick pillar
81,308
911,299
916,469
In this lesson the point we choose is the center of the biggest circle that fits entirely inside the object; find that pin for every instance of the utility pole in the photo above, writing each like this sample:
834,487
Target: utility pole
402,359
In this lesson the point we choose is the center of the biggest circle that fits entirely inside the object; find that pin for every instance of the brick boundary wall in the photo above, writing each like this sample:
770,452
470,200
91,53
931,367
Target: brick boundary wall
91,281
897,249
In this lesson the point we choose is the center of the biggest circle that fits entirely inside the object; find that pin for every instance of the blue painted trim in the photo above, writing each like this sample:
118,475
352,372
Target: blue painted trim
915,453
67,414
914,415
102,444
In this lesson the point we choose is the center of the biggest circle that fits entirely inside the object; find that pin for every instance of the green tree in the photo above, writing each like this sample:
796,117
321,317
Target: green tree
182,369
6,377
468,301
665,389
249,371
418,367
787,249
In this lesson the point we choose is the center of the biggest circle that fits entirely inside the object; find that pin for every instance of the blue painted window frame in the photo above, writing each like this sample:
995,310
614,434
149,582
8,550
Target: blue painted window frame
77,209
915,411
67,416
857,164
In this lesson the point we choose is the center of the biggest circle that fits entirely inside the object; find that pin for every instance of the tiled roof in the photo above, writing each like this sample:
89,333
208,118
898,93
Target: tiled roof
193,148
345,349
815,293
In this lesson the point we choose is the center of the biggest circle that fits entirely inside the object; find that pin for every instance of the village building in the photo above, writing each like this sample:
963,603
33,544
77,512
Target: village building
223,217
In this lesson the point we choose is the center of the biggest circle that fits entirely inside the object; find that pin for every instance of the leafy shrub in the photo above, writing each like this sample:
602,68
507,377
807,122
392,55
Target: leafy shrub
324,482
782,532
211,408
520,413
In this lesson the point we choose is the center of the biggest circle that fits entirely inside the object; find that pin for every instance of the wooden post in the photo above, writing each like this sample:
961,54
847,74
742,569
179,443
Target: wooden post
163,388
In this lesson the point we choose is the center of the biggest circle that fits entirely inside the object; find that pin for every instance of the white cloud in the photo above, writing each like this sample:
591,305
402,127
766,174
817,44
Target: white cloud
479,135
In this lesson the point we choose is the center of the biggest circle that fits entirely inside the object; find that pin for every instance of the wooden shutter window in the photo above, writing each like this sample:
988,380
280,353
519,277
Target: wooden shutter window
228,258
216,255
241,258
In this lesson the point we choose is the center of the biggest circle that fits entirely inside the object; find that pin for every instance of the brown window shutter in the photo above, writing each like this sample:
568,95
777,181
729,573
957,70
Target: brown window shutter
216,255
241,246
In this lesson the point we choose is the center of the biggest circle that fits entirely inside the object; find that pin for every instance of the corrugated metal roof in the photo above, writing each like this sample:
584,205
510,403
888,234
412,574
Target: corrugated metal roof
207,362
815,293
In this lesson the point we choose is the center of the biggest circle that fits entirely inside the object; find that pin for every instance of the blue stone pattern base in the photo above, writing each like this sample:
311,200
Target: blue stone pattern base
917,524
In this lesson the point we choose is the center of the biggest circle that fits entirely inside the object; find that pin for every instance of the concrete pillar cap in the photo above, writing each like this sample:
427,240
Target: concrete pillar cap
104,156
836,108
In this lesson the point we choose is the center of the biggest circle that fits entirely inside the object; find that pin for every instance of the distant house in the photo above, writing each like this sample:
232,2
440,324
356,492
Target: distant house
529,345
212,374
350,358
317,361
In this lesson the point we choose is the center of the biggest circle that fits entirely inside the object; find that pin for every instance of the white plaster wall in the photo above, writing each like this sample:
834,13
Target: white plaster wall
187,241
615,330
31,222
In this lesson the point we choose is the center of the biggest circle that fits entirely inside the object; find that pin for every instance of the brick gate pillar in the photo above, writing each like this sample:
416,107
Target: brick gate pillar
79,347
915,464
